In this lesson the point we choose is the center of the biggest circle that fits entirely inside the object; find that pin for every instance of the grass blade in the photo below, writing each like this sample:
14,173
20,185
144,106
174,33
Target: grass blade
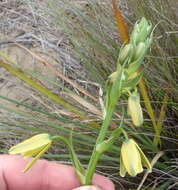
160,121
41,88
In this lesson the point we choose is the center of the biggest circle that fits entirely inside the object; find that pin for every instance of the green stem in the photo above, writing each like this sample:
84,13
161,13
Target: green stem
114,92
105,126
75,161
125,134
66,142
96,155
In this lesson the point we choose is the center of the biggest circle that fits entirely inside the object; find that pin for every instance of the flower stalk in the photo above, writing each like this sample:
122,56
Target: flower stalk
129,60
120,82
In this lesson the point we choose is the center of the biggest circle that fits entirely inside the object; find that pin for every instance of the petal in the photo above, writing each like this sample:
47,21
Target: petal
131,158
33,152
122,167
30,164
31,144
144,159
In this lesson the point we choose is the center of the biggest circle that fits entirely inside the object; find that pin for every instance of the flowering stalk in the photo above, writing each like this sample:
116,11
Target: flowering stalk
96,154
122,81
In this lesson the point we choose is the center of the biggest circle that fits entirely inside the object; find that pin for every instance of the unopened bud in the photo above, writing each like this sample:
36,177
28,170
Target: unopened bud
133,75
141,31
139,50
125,53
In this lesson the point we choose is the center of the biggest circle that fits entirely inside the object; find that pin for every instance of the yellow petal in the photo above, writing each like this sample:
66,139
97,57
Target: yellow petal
131,157
33,152
30,164
122,167
31,144
144,159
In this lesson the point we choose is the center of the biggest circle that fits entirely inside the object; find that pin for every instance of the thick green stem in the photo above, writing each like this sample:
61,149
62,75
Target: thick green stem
104,126
96,155
114,92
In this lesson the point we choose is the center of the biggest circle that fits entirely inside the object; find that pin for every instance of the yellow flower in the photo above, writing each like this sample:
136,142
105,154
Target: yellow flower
134,109
132,158
35,146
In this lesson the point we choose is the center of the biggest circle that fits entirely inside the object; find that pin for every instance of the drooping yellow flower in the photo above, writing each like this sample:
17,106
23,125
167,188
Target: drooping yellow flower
132,158
34,146
134,109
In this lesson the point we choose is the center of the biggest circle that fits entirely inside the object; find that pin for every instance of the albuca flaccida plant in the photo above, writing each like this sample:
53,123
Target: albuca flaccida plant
122,82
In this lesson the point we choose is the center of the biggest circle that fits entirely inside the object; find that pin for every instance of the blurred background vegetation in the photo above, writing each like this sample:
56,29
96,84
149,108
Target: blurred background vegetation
58,55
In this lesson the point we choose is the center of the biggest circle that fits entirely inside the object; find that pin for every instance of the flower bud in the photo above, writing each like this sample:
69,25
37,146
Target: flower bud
125,53
139,50
134,109
141,31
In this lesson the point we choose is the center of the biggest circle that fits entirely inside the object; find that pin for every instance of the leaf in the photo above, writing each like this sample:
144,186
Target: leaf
147,103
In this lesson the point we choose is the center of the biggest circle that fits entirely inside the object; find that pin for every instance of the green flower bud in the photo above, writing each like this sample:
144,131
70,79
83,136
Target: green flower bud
141,31
139,51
